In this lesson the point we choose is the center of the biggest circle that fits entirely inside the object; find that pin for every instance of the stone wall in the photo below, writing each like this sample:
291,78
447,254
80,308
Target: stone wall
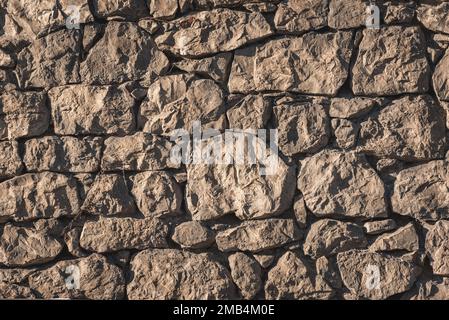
93,206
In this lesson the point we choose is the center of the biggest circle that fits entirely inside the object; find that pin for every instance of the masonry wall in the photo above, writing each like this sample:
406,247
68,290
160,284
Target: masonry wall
94,206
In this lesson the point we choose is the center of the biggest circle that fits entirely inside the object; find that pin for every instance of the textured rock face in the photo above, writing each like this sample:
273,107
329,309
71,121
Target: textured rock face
375,276
98,279
327,237
337,183
312,64
175,102
91,110
113,234
411,128
291,278
23,114
422,191
63,154
258,235
303,127
401,67
154,276
156,194
34,196
134,57
321,171
437,248
224,29
26,247
242,189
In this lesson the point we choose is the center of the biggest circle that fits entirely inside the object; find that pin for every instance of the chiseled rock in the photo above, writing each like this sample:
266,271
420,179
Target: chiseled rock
255,191
391,61
128,9
156,194
339,183
345,132
114,234
440,78
410,128
250,112
303,126
155,276
138,152
25,247
50,61
300,210
6,60
291,278
375,276
328,270
63,154
434,16
258,235
176,101
394,12
109,196
350,108
23,114
437,247
38,19
404,238
16,275
327,237
215,67
246,274
193,235
15,291
346,14
98,279
41,195
431,289
314,63
167,9
379,226
422,191
295,16
10,162
209,32
134,57
83,109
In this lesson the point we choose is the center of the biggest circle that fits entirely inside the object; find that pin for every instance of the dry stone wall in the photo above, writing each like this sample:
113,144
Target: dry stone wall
92,205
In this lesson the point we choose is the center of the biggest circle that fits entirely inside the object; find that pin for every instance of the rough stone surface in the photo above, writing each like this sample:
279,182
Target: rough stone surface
292,279
63,154
246,274
437,248
193,235
154,276
327,237
404,238
98,280
224,29
358,268
156,194
114,234
391,61
410,128
134,57
23,114
224,149
338,183
33,196
258,235
25,247
422,191
86,109
175,102
108,196
313,64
